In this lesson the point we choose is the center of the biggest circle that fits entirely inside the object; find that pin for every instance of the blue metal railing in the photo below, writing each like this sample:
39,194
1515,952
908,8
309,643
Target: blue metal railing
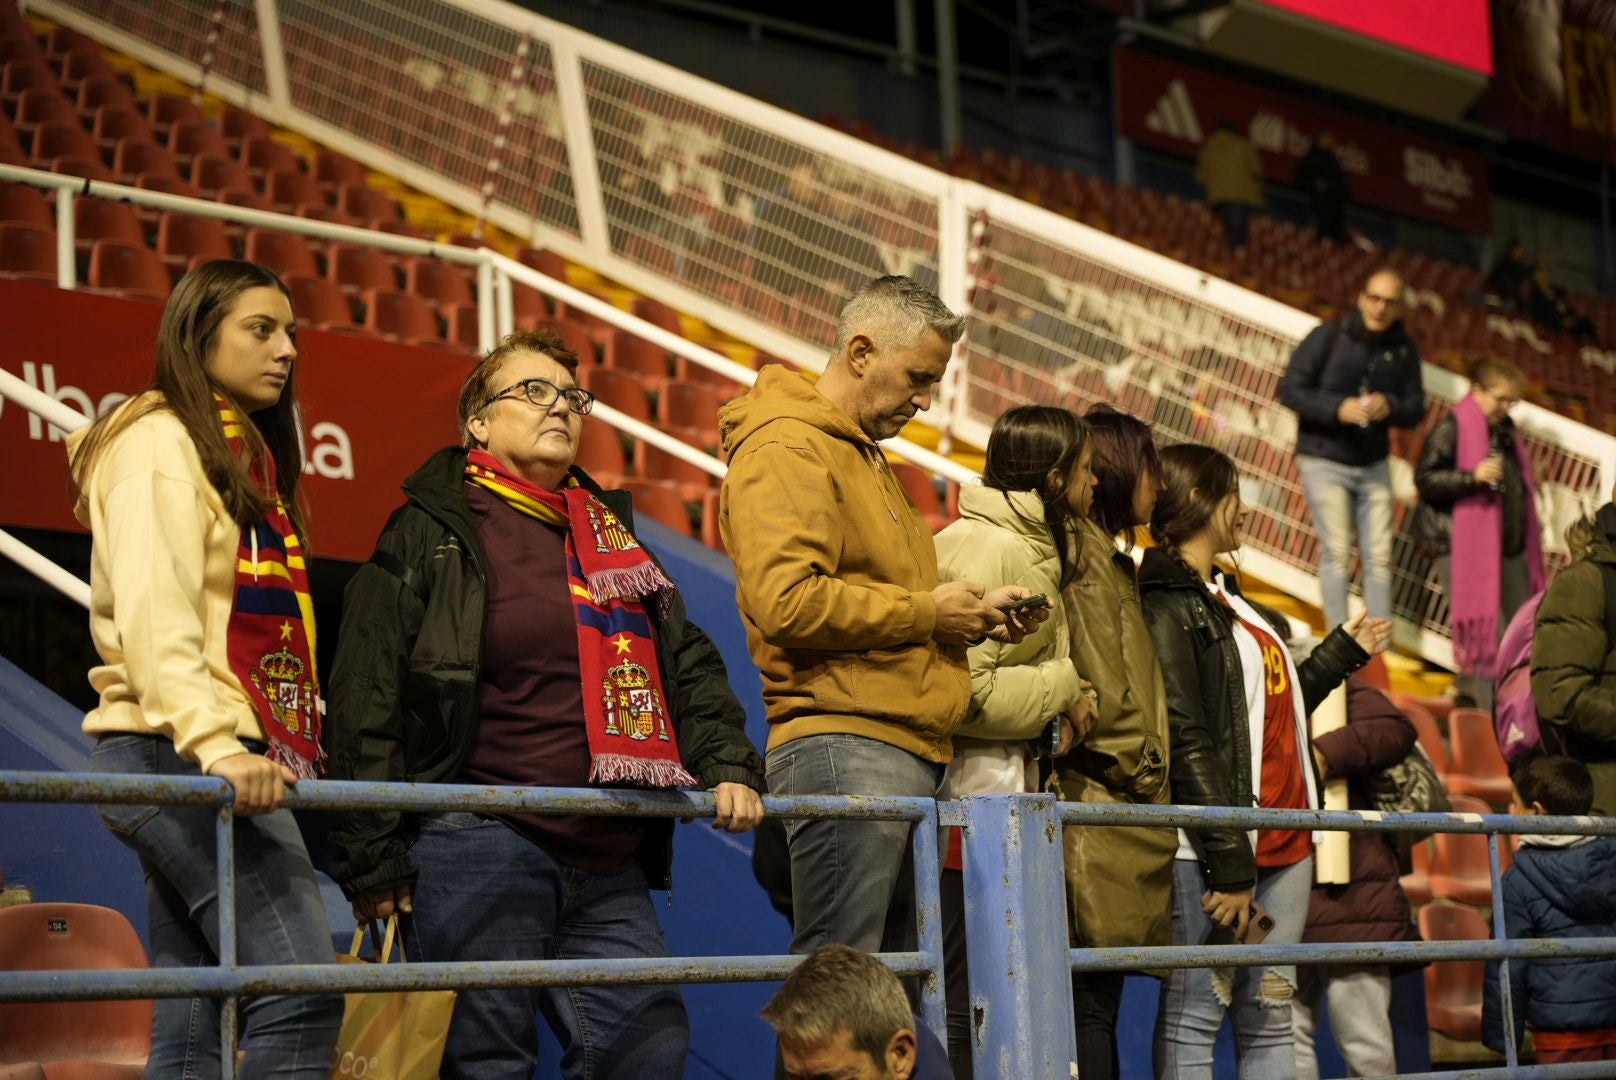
1021,1004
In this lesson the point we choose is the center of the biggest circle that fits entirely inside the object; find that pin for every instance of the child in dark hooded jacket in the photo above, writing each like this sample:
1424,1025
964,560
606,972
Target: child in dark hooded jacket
1559,887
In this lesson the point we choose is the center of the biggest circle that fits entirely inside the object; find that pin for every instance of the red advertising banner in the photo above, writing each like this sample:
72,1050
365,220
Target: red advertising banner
1556,76
1174,107
372,410
1454,31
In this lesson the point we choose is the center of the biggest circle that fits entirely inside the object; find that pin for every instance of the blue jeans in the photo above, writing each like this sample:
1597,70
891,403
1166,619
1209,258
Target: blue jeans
486,893
1257,1000
280,920
852,882
1340,496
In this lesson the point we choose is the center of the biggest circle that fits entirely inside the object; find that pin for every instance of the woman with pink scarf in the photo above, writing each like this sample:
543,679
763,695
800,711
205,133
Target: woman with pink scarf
1478,515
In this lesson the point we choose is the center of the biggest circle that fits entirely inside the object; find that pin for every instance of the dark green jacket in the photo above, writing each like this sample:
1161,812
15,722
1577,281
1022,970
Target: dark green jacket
404,691
1574,664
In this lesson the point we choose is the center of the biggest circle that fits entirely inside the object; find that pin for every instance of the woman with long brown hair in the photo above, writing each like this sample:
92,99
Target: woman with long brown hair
1237,710
200,610
1016,528
1119,880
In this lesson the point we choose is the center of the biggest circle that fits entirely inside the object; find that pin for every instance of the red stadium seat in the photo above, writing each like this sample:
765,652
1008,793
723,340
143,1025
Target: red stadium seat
238,126
163,111
20,202
81,64
112,125
53,140
37,106
190,139
184,237
659,500
617,389
367,203
87,168
286,254
27,252
647,362
1430,736
262,155
99,219
1453,988
104,1040
357,269
103,90
332,169
600,453
1476,766
460,321
400,315
657,314
212,173
1459,863
136,157
435,280
654,463
1417,882
20,75
529,306
290,189
545,262
132,271
691,405
318,303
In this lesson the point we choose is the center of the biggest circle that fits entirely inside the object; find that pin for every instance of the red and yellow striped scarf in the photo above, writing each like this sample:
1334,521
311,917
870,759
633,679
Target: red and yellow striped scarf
270,641
611,579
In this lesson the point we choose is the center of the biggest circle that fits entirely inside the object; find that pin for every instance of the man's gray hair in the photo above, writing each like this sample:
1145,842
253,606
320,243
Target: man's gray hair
841,988
895,311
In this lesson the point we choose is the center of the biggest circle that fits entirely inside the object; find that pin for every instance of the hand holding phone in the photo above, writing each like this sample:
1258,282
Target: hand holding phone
1258,926
1026,603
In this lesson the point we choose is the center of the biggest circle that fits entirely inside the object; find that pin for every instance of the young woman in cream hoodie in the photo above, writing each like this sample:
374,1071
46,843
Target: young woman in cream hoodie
200,610
1015,529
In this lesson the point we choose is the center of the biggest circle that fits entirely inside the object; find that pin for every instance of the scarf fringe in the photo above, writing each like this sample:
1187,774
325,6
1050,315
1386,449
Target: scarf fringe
644,581
304,768
639,772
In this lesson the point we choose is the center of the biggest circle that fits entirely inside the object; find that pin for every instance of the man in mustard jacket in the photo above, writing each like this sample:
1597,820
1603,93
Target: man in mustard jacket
861,649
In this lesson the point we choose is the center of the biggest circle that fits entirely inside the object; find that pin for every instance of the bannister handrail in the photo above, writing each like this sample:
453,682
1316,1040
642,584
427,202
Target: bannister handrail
60,415
41,404
74,588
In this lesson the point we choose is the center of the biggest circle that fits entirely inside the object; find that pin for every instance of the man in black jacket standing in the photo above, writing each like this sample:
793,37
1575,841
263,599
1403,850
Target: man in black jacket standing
1349,382
510,631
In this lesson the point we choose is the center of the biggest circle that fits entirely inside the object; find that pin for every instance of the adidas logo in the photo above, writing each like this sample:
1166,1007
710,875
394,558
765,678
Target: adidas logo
1174,114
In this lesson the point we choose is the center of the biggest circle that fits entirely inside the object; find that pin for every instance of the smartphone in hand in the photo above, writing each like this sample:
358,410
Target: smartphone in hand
1026,603
1258,926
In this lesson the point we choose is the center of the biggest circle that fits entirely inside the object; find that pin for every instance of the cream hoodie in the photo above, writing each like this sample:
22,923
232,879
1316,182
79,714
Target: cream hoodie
162,579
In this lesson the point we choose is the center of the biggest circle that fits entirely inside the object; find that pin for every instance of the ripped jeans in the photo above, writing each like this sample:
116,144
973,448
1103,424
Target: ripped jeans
1257,1000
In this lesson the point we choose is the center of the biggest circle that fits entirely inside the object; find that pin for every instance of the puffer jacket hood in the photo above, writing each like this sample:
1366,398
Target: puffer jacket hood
782,394
1578,881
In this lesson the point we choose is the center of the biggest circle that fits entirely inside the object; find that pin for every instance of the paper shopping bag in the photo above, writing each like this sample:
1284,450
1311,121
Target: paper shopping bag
396,1036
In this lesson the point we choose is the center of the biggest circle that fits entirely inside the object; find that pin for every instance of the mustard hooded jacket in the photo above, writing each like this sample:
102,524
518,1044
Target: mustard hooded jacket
833,572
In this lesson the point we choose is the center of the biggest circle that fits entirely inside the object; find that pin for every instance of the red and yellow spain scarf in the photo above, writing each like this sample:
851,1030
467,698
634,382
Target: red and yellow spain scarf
611,580
270,641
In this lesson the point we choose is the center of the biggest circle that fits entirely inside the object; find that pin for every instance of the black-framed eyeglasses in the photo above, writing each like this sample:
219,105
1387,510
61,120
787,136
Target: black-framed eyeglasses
543,393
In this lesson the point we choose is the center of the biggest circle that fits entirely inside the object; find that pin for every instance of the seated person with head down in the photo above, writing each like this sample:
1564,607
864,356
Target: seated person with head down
842,1015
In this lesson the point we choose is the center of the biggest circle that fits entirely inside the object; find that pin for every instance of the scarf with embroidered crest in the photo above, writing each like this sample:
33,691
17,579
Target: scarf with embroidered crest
611,581
270,640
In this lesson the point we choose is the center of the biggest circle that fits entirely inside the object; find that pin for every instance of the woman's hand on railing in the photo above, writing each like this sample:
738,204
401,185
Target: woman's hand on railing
382,904
259,782
739,808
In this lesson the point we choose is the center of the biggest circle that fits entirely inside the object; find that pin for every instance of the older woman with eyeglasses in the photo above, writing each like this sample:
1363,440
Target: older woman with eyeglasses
510,630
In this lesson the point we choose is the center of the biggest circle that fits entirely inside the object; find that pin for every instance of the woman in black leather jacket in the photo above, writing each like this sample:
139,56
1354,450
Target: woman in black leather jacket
1237,712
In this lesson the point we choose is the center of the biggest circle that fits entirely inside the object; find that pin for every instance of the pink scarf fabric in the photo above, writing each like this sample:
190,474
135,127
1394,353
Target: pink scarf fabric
1478,548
